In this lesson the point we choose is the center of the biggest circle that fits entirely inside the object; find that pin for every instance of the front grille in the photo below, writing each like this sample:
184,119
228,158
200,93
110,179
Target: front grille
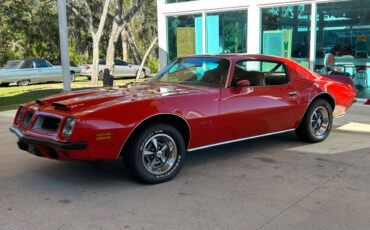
27,119
47,124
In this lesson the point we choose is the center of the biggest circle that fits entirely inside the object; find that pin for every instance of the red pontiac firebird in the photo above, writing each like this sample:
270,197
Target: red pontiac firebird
196,102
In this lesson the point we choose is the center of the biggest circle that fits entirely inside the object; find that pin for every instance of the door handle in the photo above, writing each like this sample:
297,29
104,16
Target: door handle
293,93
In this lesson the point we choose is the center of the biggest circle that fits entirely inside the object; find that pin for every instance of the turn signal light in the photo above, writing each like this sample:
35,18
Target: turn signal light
68,127
19,114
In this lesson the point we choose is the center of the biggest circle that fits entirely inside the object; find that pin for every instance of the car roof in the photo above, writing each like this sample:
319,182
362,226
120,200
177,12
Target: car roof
28,59
239,56
103,59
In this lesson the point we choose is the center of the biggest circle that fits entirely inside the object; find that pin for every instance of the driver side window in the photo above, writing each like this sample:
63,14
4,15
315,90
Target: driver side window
260,73
42,64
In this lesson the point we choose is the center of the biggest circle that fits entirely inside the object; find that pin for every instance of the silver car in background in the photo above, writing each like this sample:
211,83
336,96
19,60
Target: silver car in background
32,70
121,69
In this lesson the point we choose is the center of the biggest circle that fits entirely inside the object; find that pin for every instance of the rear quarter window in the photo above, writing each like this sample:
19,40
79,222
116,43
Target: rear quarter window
261,73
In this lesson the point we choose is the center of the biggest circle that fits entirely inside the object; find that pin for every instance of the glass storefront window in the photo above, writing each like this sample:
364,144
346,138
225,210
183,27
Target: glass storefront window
286,32
184,36
343,40
226,32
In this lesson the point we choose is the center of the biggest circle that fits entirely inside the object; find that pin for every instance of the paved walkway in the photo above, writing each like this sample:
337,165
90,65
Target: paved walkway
269,183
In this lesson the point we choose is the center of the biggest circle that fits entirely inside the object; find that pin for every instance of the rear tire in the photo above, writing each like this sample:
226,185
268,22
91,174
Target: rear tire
89,78
316,123
142,74
156,154
73,76
100,76
23,82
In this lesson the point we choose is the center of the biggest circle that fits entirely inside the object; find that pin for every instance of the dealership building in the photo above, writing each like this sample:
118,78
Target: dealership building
305,31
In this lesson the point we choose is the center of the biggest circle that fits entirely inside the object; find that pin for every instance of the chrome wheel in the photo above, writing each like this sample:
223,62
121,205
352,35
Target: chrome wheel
23,82
320,120
142,74
100,76
159,154
73,76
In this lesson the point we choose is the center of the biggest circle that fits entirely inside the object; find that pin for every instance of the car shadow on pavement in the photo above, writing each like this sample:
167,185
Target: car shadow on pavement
247,148
80,174
113,172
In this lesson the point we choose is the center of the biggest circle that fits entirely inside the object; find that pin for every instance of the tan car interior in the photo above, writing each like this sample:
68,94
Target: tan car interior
254,77
257,78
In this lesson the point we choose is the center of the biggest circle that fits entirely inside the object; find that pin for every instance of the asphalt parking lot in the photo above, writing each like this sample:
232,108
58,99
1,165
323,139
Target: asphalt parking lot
274,182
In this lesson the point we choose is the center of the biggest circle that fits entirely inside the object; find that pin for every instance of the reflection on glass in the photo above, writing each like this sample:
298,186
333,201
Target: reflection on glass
226,32
286,32
343,41
184,35
343,29
197,71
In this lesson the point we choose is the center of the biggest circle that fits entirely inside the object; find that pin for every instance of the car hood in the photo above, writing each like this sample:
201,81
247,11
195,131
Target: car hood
82,99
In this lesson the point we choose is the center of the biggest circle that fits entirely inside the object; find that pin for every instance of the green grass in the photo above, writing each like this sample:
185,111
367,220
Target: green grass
11,97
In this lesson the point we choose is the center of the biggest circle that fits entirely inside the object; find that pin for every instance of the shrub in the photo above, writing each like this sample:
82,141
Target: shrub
153,64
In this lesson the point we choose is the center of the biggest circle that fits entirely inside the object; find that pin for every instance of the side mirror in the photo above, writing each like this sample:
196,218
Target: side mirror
242,84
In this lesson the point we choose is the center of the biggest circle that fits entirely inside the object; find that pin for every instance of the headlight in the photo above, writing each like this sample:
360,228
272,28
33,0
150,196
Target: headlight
68,127
19,114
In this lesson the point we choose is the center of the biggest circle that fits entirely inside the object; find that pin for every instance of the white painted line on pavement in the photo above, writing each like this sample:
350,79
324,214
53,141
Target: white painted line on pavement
355,127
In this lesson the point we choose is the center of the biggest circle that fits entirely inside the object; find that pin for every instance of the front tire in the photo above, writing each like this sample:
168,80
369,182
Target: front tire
316,123
23,82
156,154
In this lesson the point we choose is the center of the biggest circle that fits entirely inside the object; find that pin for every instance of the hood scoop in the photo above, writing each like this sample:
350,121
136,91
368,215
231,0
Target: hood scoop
63,96
84,101
60,106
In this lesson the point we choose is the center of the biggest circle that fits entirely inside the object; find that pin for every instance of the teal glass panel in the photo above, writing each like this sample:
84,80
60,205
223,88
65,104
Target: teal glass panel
184,35
212,34
226,32
198,35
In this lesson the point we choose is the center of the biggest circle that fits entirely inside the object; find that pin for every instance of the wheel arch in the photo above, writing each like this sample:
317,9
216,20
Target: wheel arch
326,96
173,119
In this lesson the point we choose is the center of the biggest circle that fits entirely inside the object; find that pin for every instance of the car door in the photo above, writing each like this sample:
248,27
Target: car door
55,73
121,69
46,72
26,72
268,105
132,69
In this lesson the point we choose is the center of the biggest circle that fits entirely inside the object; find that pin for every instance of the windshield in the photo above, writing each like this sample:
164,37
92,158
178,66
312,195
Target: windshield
202,71
14,64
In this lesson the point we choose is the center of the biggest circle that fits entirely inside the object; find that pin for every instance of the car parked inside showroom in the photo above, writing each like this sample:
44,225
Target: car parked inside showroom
196,102
121,69
32,70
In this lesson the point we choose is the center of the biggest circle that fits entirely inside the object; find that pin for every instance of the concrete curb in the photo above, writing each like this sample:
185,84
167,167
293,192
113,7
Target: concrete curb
361,99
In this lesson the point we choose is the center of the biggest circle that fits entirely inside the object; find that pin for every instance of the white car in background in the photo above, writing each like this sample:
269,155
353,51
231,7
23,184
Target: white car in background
32,70
121,69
